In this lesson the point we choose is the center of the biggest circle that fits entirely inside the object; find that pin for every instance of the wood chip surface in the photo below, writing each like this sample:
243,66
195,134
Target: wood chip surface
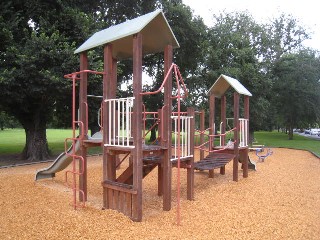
281,200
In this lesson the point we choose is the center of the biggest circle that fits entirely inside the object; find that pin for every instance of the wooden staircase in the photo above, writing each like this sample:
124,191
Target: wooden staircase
149,163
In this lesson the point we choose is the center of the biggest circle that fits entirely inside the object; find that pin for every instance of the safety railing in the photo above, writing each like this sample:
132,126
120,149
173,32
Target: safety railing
75,76
180,93
119,122
181,87
72,152
243,122
207,146
221,136
184,135
243,132
243,137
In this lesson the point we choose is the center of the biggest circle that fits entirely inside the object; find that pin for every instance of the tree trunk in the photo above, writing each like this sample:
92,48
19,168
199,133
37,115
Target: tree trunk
94,127
290,134
36,148
251,137
34,124
153,135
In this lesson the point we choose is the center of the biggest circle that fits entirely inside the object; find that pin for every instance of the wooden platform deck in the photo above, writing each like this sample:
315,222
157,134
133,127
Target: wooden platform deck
213,161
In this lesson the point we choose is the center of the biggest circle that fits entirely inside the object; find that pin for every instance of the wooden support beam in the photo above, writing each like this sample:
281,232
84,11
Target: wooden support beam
111,94
246,116
211,173
223,118
236,135
212,125
83,119
212,116
190,170
137,127
109,84
160,166
119,186
202,128
166,140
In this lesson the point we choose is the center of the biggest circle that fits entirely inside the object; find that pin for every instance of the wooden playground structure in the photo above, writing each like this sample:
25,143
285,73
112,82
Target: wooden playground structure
123,121
238,150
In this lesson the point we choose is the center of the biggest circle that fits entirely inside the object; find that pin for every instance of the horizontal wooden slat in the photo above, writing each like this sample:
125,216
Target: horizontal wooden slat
213,161
119,186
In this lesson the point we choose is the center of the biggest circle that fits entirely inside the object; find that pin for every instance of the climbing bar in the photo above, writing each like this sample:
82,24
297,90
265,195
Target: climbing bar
74,140
145,113
152,127
124,158
74,171
199,132
179,79
201,147
182,113
215,135
71,75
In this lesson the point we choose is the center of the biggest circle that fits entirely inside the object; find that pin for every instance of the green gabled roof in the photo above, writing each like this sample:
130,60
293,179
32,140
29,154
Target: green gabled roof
156,34
223,83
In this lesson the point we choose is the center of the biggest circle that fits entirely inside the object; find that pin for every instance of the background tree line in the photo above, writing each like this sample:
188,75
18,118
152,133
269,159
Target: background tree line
38,39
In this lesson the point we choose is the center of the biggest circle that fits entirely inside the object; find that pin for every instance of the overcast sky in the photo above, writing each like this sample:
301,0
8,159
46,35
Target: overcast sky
306,11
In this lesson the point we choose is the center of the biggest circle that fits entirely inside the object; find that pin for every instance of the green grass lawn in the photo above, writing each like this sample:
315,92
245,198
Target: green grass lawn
278,139
12,141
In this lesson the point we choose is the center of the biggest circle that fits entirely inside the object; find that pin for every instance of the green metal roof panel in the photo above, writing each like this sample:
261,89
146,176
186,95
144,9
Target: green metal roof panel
156,34
223,83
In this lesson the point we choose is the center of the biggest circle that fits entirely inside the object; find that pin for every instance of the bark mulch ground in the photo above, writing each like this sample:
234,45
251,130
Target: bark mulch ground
281,200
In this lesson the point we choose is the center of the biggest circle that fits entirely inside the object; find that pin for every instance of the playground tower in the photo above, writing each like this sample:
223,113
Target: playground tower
123,117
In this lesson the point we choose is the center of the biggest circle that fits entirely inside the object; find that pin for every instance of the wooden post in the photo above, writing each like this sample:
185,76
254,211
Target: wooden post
246,116
83,119
211,117
223,118
212,126
236,135
190,169
160,166
202,128
223,126
109,84
166,140
137,127
113,91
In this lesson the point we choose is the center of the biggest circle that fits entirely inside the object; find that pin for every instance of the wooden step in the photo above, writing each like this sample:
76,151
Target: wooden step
148,165
213,161
126,176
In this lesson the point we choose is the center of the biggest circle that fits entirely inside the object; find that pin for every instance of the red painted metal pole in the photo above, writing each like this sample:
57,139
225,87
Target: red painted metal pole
179,153
81,173
74,185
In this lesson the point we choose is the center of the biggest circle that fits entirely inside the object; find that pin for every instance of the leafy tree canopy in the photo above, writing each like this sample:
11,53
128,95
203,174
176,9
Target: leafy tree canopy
297,89
38,38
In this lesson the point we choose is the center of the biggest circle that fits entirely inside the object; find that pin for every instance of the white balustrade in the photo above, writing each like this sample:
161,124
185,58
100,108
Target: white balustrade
185,137
119,121
243,132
